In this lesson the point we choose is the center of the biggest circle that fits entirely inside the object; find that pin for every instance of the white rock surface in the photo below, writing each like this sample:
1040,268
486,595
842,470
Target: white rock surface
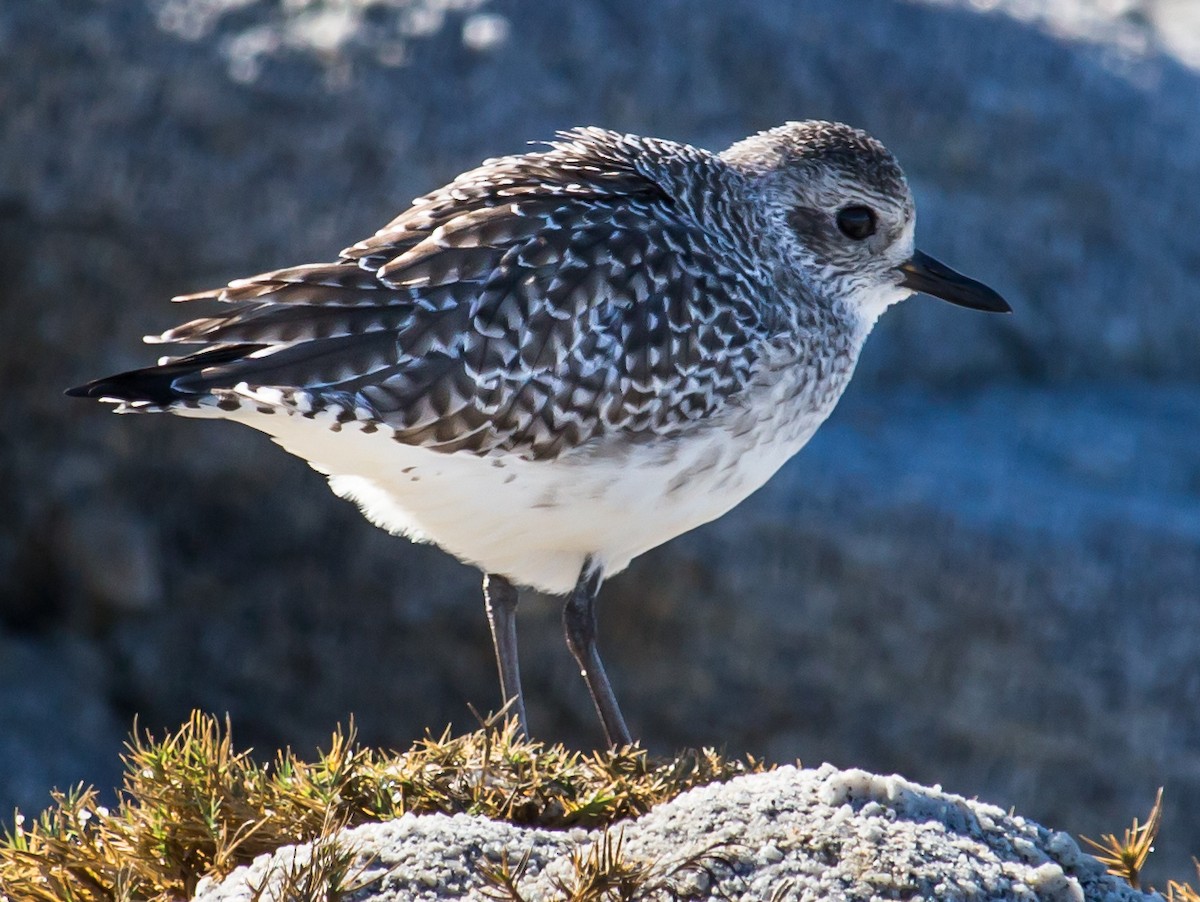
788,834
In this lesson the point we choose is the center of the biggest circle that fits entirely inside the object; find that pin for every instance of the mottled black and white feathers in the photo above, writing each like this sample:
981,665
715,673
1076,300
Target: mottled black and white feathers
564,355
530,306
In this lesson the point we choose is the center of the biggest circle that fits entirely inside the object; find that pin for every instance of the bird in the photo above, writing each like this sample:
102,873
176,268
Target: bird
566,357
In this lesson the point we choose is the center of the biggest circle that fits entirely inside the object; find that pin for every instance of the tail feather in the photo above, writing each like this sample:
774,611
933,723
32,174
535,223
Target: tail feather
156,386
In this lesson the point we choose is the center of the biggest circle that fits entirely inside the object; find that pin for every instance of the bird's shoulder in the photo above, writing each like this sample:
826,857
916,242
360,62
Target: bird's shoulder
585,177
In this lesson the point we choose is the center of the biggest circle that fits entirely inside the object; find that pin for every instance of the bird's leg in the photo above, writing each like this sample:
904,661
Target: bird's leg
579,622
500,598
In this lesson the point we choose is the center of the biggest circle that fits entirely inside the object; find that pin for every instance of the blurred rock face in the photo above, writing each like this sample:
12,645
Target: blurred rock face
983,572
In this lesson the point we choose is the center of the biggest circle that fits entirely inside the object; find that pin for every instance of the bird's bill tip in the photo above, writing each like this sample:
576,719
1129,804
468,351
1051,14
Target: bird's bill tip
925,274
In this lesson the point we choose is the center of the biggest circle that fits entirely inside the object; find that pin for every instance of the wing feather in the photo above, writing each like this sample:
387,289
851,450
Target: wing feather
529,307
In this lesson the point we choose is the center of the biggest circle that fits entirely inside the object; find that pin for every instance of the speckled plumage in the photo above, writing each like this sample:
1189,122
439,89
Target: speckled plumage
535,304
564,358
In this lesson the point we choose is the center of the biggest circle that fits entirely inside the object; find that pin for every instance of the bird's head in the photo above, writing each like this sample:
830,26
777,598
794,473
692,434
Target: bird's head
841,211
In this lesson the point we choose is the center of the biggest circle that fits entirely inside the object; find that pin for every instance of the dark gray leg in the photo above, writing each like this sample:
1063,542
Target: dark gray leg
579,621
500,598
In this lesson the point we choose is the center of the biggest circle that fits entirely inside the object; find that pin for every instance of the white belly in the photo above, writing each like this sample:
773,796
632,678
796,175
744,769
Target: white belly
536,521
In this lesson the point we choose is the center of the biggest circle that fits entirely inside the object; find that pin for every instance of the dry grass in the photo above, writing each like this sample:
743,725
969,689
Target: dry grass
1183,892
1126,856
192,806
603,872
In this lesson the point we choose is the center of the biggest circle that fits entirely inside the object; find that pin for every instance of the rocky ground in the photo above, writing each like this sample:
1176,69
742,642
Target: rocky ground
983,572
786,835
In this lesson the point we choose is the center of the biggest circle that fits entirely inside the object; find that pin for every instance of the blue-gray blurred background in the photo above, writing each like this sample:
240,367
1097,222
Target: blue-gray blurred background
984,572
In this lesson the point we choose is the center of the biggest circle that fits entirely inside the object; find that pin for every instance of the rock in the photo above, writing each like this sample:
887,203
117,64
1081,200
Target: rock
258,117
57,724
983,571
788,834
116,559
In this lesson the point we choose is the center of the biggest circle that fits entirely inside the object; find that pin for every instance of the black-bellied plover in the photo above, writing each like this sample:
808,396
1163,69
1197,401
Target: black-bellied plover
563,359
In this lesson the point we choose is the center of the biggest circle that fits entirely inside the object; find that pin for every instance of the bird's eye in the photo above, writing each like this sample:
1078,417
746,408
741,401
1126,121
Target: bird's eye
857,223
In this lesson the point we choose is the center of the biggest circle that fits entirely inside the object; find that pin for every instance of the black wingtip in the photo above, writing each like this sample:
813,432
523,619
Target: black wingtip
146,386
107,387
162,385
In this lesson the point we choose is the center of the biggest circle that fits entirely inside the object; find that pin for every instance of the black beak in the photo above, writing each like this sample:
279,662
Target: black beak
923,273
